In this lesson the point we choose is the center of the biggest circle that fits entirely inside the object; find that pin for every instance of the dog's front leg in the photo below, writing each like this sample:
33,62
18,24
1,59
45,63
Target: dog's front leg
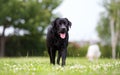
53,56
59,55
64,53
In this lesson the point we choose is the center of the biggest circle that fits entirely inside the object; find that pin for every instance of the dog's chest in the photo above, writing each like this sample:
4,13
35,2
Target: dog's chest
59,43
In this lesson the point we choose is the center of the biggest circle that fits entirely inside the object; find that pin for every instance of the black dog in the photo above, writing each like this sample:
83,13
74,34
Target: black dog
57,39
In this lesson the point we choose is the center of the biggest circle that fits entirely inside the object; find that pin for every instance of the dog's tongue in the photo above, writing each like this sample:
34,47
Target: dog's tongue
62,35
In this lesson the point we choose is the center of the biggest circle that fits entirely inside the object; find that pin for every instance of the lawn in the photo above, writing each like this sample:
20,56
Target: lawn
74,66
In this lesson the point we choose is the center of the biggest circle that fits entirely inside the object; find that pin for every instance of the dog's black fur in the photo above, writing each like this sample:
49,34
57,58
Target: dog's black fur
57,39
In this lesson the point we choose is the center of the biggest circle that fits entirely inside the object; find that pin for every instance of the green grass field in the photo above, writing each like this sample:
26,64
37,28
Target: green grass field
74,66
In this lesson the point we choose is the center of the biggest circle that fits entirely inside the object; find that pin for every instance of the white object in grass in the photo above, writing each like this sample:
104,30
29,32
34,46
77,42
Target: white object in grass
93,52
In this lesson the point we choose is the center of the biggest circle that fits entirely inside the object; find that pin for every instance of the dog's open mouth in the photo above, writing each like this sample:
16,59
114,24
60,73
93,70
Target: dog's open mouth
63,35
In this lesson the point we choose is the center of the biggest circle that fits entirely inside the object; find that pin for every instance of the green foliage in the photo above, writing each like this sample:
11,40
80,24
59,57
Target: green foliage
105,51
81,51
29,18
76,51
25,46
118,51
106,32
74,66
103,29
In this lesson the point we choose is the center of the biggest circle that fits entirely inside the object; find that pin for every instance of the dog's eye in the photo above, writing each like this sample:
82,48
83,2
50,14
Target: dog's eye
59,23
64,23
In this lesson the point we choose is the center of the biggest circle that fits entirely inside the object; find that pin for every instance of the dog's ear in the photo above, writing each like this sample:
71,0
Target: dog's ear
54,22
69,23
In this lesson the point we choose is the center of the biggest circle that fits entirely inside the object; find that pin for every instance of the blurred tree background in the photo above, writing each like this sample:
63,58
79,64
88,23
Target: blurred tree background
28,19
109,27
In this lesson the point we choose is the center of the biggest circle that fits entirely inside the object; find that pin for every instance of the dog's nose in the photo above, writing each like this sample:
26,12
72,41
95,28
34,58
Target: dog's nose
63,30
63,27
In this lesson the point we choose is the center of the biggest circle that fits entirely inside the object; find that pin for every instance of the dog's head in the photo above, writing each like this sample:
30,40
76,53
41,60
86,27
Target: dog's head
61,26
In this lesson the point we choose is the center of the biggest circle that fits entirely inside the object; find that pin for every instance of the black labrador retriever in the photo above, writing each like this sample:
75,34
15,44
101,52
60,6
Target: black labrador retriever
57,39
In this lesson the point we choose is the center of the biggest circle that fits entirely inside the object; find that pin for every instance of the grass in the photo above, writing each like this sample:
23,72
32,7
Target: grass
74,66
